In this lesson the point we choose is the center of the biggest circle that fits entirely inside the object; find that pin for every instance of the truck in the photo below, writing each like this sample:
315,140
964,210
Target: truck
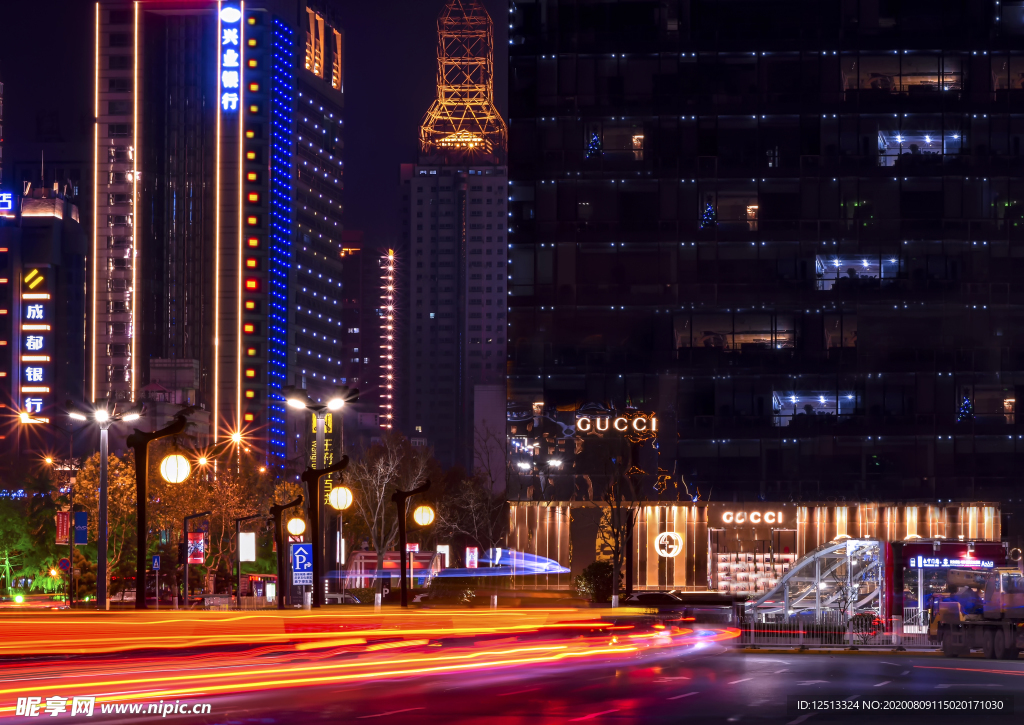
985,611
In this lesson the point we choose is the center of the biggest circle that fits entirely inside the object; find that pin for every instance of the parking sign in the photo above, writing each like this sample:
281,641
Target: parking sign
302,564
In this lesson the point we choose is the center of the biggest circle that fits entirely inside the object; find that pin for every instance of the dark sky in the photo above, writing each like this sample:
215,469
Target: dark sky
390,81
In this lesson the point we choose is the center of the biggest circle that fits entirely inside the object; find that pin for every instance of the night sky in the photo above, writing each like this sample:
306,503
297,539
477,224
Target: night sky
390,79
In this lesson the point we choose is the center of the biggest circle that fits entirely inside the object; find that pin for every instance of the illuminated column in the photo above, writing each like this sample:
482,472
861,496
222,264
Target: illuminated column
387,339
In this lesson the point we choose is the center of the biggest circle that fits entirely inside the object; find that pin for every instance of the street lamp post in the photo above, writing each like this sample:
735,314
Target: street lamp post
298,399
140,440
185,537
340,499
311,477
400,497
104,417
275,516
238,545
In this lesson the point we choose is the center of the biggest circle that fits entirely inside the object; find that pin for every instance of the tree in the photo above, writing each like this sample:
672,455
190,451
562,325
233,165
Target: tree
595,581
121,508
709,218
389,466
966,411
472,509
594,146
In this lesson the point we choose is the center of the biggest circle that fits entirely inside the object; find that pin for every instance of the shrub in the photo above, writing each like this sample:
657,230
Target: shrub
595,582
456,589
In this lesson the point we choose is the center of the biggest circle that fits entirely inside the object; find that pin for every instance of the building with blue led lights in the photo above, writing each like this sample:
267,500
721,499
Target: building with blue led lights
215,273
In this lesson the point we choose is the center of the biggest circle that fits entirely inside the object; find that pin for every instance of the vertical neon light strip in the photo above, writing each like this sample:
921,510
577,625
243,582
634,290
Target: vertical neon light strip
216,252
95,205
135,193
241,138
388,336
279,232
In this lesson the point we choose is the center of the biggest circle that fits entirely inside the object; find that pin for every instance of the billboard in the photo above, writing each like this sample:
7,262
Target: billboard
196,547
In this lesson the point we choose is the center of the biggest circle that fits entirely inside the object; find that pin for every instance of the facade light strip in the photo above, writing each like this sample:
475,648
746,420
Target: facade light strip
241,251
95,203
216,247
133,293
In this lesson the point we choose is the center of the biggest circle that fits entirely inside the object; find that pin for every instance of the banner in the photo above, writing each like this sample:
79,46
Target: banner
81,527
63,527
196,547
247,546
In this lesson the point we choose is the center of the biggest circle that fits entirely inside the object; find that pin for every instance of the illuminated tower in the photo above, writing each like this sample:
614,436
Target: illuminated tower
387,339
452,385
463,117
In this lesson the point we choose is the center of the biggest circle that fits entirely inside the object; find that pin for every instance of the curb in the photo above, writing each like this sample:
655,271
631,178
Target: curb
795,651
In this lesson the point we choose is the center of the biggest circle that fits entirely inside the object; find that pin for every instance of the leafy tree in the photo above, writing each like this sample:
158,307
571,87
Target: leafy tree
121,512
595,581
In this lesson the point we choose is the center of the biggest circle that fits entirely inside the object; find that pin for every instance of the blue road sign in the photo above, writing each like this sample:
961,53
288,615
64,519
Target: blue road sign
156,562
302,564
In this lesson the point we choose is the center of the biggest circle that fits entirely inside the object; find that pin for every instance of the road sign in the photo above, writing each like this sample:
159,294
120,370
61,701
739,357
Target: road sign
64,564
302,564
156,562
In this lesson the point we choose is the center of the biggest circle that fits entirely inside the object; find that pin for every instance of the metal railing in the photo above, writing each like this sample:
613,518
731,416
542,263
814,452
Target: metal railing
834,629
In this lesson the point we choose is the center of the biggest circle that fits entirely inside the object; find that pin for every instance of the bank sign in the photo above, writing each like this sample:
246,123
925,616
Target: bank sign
230,57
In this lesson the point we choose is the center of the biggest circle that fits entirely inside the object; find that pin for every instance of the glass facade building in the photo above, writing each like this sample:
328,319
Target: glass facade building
789,229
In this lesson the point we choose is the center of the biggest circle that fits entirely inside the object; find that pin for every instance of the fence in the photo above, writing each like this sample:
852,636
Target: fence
834,629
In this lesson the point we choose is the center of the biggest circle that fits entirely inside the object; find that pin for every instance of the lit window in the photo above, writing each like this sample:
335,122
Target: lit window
250,372
248,328
254,87
249,417
250,134
252,263
253,242
252,221
252,176
254,197
250,155
252,284
254,108
252,42
250,305
252,20
252,62
251,352
250,393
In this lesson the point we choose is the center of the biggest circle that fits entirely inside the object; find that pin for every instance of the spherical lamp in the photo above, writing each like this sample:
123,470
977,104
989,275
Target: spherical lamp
340,498
296,526
175,468
423,515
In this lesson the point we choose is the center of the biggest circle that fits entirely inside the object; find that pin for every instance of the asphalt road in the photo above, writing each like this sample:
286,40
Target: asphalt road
709,684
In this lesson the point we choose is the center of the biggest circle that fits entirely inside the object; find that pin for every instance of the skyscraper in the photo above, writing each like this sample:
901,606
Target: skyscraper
454,266
217,221
788,230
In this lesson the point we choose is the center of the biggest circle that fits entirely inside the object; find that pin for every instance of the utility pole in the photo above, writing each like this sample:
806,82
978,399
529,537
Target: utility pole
275,516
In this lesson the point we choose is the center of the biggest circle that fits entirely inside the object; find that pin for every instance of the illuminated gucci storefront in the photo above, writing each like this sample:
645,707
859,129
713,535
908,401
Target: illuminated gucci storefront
733,548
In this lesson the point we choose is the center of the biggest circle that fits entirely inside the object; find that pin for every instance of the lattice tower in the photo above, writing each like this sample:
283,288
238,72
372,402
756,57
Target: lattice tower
463,118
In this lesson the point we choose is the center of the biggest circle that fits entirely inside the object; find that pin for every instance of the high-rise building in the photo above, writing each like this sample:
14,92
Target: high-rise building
788,230
453,269
42,287
217,232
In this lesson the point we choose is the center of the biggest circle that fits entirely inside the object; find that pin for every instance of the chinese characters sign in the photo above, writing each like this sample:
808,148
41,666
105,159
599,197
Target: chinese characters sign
36,340
230,57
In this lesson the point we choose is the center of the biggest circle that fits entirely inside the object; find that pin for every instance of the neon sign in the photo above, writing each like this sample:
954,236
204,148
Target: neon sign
230,58
36,341
620,424
6,201
934,562
754,517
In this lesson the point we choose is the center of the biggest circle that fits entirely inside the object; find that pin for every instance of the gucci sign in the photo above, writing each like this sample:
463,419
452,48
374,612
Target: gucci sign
754,517
621,424
668,544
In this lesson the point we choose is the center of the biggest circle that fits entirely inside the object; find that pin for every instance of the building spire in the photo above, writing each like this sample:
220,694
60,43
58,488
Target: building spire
463,119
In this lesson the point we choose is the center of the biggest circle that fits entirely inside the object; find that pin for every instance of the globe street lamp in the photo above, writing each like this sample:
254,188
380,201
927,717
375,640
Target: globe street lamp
340,499
104,415
425,513
297,399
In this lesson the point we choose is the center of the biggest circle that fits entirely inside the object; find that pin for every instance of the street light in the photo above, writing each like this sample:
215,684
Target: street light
423,515
340,499
296,526
298,399
399,498
175,468
105,415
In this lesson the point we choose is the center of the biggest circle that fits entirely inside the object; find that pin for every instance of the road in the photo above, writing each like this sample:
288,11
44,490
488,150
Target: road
564,672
